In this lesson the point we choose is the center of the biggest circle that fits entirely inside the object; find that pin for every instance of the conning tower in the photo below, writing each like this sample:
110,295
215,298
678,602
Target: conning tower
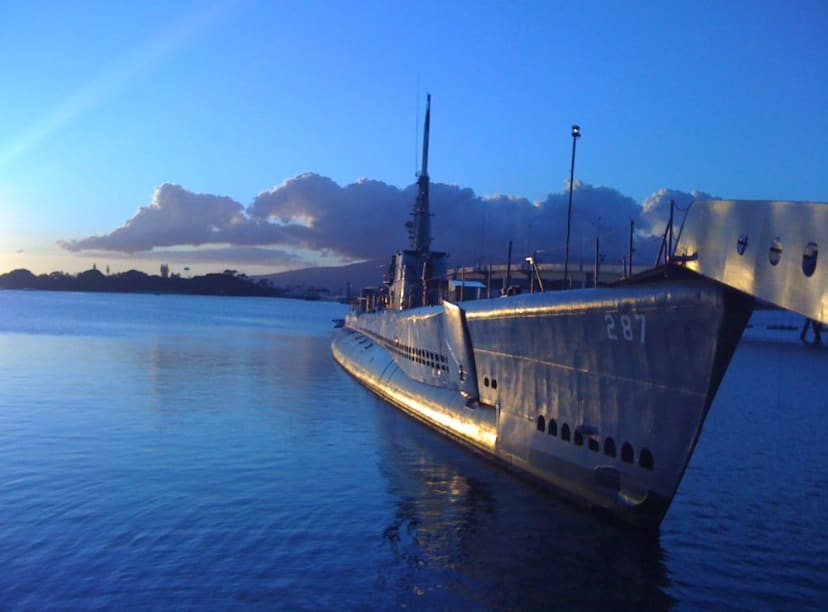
418,274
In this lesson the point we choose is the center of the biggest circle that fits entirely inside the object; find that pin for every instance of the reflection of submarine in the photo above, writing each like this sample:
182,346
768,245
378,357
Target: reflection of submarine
461,534
600,394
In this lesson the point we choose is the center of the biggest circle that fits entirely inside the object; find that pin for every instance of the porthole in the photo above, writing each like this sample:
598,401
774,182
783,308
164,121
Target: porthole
565,432
609,447
627,453
553,427
494,384
741,244
593,445
645,459
541,423
809,259
579,438
485,381
775,252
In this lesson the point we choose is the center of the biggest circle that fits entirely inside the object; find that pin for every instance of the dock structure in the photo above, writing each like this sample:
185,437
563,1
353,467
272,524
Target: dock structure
531,276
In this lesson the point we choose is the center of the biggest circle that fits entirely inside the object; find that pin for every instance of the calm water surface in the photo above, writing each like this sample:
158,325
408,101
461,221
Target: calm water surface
202,452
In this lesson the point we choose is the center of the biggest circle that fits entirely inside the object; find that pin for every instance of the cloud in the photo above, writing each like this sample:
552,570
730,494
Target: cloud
363,220
655,210
226,255
596,211
310,216
180,217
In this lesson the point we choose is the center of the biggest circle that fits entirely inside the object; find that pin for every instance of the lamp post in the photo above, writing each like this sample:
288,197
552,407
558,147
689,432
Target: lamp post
576,134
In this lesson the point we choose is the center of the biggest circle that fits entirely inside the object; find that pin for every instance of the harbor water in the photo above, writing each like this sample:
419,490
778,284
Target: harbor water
182,452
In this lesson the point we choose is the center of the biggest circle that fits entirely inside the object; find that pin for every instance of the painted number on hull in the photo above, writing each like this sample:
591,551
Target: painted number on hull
626,327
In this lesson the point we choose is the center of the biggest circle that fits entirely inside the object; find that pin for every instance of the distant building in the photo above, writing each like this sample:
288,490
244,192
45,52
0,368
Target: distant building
466,290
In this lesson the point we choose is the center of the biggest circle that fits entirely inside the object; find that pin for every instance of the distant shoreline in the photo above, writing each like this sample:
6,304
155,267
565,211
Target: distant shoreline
228,283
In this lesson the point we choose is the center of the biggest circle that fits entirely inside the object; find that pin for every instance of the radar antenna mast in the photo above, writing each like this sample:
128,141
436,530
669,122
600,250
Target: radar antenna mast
421,236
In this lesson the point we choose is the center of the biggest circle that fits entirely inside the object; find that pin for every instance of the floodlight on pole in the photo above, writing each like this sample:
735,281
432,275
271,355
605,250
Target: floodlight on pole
576,134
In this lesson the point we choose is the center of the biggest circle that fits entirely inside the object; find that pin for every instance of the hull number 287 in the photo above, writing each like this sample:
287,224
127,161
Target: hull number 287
625,327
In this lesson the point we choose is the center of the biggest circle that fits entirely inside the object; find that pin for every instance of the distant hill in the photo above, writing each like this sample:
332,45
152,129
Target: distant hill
330,279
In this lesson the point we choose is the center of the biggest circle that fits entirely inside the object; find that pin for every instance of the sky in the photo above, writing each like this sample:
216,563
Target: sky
270,135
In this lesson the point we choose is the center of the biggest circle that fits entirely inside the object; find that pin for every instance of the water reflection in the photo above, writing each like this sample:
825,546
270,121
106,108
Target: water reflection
467,533
247,368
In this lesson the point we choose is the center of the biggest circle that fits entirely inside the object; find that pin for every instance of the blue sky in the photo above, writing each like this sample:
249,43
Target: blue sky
105,102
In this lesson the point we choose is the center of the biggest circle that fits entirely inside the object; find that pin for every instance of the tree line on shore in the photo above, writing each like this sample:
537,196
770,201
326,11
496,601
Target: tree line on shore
229,282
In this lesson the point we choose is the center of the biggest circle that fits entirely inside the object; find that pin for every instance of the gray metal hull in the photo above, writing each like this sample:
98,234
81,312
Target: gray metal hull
598,394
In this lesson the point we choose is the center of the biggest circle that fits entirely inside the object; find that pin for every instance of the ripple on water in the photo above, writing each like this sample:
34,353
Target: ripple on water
191,452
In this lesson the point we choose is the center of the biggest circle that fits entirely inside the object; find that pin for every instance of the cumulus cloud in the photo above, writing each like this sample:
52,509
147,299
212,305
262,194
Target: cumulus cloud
655,210
363,220
366,220
239,256
180,217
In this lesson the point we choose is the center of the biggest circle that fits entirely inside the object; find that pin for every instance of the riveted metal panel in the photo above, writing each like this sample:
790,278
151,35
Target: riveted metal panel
768,249
460,348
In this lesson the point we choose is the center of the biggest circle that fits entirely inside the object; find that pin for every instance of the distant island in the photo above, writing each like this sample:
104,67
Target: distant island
229,282
317,283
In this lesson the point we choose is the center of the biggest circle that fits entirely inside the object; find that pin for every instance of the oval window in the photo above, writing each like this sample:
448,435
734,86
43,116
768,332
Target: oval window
809,259
609,447
775,252
627,452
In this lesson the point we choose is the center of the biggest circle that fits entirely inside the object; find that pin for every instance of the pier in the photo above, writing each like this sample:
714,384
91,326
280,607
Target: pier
531,276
